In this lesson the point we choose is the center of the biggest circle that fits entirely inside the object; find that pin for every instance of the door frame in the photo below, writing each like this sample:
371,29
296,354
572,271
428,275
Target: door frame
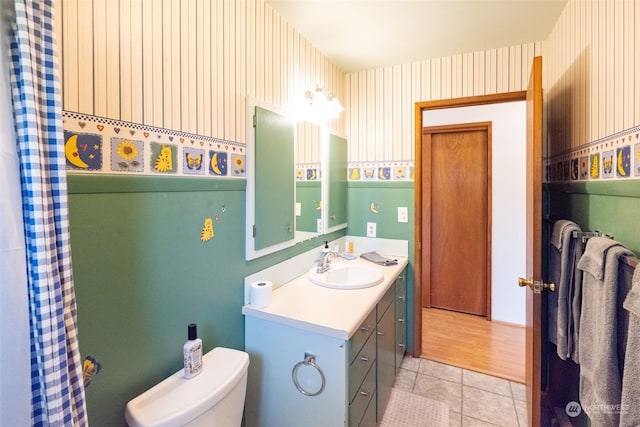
419,108
426,196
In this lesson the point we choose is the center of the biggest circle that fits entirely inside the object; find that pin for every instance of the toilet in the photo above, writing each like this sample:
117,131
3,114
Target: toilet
213,398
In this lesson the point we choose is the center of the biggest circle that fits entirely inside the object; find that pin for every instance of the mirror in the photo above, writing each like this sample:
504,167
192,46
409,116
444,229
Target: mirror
270,195
335,188
308,181
296,180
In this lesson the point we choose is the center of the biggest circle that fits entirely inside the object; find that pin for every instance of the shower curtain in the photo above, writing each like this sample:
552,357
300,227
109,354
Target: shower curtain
56,388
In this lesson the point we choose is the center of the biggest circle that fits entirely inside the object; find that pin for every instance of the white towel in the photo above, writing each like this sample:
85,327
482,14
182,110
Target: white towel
600,382
630,405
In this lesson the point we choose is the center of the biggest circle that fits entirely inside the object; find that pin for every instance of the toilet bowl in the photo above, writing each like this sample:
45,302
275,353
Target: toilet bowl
215,397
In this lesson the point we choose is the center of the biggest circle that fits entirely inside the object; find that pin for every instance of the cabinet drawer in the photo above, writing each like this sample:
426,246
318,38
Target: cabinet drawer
361,335
361,365
386,301
363,398
369,417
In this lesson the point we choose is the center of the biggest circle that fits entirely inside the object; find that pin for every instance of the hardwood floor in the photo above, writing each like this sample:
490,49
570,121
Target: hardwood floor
474,343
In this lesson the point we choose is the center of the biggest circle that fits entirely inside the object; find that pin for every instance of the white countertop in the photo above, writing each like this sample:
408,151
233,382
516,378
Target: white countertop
334,312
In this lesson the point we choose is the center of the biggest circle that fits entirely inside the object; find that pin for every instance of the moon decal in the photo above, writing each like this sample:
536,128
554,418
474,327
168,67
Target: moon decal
72,154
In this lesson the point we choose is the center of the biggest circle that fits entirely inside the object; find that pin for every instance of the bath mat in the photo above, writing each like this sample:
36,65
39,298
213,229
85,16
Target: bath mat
410,410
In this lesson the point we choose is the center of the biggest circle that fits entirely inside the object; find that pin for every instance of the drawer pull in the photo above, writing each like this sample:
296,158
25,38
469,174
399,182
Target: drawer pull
381,333
364,359
401,345
364,393
364,328
401,320
401,297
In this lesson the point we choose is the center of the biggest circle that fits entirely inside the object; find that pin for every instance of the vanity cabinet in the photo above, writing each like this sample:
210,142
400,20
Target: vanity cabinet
401,319
386,349
357,369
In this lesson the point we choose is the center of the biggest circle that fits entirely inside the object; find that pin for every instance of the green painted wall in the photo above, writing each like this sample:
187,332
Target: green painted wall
611,207
142,274
386,197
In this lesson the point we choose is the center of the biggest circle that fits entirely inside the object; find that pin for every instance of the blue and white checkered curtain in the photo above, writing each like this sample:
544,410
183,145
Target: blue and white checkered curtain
56,365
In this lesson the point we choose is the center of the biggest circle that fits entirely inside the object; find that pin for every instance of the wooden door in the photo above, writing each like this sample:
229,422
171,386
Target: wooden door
533,350
456,185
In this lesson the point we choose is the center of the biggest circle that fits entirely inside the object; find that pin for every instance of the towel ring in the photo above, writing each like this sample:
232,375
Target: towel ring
309,360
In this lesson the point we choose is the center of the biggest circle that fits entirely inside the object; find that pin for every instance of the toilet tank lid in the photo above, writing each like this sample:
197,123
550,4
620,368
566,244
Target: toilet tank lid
177,400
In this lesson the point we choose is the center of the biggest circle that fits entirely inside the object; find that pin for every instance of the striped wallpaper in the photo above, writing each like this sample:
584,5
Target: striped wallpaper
185,65
188,66
592,73
380,113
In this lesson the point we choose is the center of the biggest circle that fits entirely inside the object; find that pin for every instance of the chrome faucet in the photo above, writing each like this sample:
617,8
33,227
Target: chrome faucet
324,263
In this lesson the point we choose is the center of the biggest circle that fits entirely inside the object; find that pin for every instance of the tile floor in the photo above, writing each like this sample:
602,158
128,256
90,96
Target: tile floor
474,399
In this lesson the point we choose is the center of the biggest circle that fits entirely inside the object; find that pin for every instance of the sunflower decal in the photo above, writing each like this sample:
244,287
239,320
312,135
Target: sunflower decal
238,165
127,150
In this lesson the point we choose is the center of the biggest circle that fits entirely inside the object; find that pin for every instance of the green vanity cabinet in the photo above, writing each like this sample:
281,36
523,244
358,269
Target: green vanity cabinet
362,371
386,365
401,318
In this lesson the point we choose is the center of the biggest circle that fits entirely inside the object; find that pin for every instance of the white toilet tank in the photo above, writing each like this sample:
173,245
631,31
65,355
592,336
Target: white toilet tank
215,397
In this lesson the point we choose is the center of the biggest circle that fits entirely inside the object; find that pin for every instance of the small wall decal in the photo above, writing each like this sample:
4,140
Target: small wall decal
354,174
237,165
623,161
193,161
218,163
594,172
90,368
584,167
207,232
374,207
163,158
384,174
574,169
607,164
312,174
83,151
127,155
369,173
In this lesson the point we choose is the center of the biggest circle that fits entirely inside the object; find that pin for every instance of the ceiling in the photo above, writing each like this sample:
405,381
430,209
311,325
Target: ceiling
364,34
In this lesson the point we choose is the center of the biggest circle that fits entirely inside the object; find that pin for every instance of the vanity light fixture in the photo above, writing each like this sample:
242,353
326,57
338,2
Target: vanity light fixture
322,104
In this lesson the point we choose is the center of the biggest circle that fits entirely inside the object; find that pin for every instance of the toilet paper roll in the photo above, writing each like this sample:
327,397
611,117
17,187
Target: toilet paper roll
261,293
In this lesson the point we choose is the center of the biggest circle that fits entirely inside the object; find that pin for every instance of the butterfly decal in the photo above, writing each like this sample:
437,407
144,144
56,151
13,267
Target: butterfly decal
90,368
194,163
607,163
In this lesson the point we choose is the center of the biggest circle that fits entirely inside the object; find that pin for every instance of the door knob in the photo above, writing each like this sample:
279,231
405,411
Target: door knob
536,285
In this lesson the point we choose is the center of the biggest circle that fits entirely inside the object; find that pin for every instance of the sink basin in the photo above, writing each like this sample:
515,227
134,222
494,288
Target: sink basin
347,276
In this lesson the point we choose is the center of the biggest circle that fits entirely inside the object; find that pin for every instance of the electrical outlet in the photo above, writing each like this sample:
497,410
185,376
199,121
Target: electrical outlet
403,214
319,225
371,229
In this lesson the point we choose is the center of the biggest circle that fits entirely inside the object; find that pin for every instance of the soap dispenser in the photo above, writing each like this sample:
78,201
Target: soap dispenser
326,249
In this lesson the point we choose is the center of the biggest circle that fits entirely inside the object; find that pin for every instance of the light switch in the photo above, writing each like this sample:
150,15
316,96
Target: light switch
403,214
298,208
